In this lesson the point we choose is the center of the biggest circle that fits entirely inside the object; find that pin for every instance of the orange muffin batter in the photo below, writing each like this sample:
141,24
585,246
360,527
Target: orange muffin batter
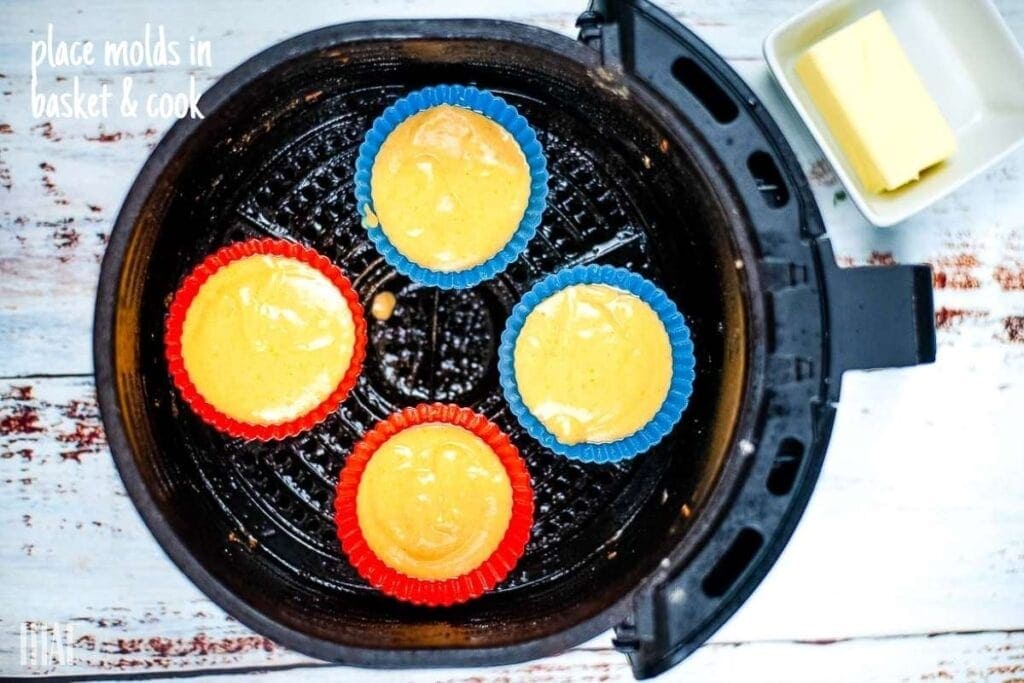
267,339
450,187
593,363
434,501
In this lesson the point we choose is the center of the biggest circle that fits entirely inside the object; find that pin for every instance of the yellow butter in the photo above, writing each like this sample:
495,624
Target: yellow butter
593,363
267,339
434,502
875,104
449,188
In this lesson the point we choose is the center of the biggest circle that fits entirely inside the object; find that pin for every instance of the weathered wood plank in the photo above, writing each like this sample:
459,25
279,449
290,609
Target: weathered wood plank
918,508
74,549
62,181
916,518
971,658
733,27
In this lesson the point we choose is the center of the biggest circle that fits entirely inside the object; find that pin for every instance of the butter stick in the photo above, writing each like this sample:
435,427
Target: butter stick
875,104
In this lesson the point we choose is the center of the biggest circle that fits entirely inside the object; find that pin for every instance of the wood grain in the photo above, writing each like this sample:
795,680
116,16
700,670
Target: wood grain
916,527
66,178
973,657
889,493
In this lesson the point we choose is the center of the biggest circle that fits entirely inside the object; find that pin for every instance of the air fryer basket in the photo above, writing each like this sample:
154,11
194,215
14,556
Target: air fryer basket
660,161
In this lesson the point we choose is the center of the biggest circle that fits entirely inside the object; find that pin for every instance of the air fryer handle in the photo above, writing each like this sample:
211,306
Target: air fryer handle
879,317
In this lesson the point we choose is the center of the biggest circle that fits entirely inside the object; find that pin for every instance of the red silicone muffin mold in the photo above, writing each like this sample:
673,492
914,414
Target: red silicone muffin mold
176,320
434,593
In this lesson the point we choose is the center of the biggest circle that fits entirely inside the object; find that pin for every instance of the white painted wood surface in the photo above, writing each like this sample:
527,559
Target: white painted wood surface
908,565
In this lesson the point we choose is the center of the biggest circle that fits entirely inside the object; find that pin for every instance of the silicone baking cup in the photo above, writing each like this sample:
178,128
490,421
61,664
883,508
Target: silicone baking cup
176,320
496,109
683,363
426,592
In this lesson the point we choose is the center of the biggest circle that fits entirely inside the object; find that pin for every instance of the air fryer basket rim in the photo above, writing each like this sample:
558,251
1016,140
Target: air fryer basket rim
651,631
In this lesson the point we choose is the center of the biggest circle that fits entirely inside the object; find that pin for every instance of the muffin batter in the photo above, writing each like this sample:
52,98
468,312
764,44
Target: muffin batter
267,339
593,363
434,501
450,187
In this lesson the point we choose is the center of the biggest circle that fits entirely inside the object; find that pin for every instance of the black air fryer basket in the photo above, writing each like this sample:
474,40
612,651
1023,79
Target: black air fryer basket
661,160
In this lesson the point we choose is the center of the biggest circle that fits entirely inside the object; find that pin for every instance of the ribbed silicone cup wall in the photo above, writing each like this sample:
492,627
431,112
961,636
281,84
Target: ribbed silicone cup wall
277,161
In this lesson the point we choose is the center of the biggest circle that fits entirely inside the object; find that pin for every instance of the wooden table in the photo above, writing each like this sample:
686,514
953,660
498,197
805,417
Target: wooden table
908,565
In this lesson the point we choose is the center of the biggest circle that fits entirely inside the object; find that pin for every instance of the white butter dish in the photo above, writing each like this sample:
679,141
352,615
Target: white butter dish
970,64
